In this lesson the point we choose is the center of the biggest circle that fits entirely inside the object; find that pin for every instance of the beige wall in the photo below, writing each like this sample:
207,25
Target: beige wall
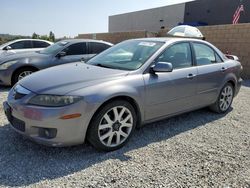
118,36
232,38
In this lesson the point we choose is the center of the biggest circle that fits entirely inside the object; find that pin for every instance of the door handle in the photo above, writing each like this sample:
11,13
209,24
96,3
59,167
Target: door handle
223,69
191,76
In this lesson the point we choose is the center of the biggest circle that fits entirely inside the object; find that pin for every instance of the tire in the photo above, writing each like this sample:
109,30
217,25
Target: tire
112,126
21,73
225,99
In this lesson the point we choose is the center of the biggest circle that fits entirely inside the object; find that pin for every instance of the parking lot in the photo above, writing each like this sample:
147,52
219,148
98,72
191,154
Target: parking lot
195,149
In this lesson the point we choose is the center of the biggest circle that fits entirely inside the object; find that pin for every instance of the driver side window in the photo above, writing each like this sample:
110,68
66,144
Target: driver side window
178,54
76,49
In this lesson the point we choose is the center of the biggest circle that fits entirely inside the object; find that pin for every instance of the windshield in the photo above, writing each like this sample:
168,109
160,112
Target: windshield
128,55
55,48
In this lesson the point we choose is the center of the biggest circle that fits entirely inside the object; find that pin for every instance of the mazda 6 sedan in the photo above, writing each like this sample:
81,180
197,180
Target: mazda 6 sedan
132,83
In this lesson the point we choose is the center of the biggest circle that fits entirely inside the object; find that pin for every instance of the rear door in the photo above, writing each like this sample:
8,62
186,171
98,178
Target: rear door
171,92
211,72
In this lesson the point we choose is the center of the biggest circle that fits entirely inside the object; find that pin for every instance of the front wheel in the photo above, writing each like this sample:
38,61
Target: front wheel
224,100
112,126
20,74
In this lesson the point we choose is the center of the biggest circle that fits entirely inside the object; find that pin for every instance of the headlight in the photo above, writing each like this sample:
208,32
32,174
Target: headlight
7,64
53,100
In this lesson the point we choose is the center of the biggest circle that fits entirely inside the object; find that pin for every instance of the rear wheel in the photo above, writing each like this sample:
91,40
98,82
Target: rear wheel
224,100
21,73
112,126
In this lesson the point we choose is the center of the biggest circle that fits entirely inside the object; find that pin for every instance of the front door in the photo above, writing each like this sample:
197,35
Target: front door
73,53
171,92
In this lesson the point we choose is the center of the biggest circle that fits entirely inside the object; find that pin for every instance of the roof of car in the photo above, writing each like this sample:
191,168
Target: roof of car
31,40
168,39
85,40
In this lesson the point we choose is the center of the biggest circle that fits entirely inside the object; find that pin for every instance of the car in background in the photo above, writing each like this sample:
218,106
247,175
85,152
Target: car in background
23,45
15,67
132,83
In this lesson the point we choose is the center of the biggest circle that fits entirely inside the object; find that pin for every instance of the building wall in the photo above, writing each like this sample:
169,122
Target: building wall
148,20
215,12
117,36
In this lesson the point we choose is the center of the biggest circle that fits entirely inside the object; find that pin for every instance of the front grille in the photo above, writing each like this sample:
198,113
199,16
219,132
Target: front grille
18,124
18,95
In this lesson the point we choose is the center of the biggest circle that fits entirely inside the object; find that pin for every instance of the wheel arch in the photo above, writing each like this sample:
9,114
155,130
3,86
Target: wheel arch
232,79
20,68
129,99
233,82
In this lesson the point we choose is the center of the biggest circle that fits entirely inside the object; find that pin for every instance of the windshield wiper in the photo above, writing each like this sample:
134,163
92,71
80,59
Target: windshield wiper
104,66
109,67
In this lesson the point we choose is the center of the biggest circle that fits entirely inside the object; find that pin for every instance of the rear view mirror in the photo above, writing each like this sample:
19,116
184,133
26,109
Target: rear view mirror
162,67
7,48
61,54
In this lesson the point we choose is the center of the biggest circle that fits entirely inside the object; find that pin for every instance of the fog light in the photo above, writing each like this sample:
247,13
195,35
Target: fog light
48,133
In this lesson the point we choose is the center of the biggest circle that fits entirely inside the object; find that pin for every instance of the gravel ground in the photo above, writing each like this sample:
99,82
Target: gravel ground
198,149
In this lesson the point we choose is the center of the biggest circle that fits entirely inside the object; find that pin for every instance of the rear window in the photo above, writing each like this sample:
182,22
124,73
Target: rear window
205,55
40,44
76,49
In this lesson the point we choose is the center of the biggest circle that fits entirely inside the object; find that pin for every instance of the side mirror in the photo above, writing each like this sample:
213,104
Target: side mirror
61,54
233,57
7,48
162,67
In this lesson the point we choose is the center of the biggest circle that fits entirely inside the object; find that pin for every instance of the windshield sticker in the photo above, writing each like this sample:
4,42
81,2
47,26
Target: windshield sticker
149,44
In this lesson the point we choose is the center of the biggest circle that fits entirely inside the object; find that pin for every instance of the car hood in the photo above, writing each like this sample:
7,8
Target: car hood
22,56
63,79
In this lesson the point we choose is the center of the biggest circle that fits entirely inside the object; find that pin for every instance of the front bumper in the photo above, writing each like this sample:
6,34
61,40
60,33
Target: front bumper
43,124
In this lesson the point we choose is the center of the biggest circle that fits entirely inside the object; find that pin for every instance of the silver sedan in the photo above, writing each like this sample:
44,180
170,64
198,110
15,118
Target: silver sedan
133,83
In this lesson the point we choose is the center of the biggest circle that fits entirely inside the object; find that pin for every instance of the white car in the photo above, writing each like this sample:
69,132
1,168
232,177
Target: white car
23,45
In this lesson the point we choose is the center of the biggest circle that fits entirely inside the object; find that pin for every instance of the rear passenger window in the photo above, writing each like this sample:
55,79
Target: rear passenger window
21,45
96,48
40,44
178,54
76,49
205,55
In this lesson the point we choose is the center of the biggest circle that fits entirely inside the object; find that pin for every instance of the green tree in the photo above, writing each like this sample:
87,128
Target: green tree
35,36
44,37
51,36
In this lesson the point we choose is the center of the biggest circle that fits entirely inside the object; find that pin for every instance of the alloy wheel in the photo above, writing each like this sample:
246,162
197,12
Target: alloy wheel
24,74
226,98
115,126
